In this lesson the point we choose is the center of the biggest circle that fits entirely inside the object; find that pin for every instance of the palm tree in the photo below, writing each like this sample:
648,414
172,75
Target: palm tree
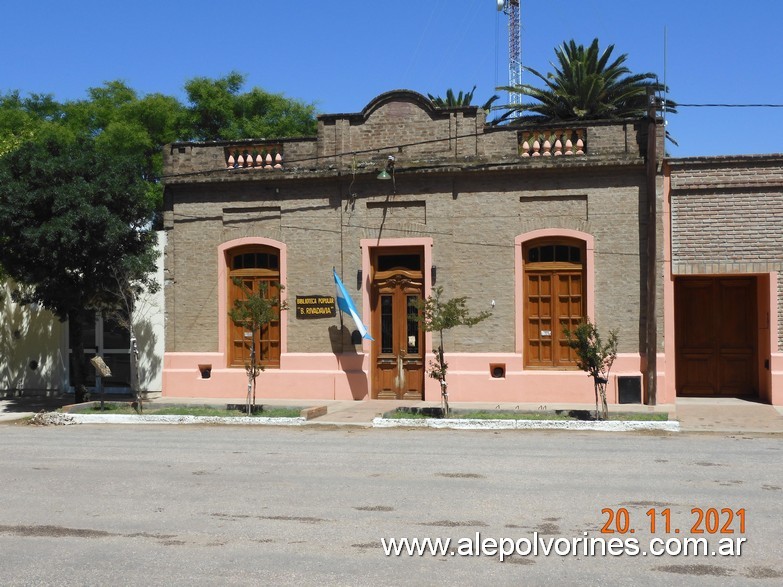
460,100
586,85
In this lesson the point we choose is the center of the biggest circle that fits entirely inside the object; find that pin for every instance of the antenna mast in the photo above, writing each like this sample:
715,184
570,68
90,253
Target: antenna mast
511,9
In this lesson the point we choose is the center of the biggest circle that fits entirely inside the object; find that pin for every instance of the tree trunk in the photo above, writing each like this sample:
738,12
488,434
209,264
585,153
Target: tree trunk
444,393
134,358
600,393
251,384
78,375
249,388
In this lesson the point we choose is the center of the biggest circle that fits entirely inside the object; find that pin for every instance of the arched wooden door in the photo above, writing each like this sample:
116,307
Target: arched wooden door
398,350
257,269
554,300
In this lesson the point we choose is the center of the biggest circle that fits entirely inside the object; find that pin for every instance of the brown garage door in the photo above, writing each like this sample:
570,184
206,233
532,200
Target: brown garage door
716,336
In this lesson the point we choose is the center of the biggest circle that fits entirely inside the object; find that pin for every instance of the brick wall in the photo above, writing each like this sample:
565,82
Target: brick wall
403,124
472,195
473,223
727,217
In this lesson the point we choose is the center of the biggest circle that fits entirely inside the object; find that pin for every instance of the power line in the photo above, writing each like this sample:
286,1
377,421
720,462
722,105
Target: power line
679,105
385,148
430,141
333,156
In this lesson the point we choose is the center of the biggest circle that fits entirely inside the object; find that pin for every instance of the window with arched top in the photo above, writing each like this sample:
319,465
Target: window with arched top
554,299
257,268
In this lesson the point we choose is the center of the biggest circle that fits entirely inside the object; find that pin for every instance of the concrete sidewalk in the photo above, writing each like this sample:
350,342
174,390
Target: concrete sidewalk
728,415
694,414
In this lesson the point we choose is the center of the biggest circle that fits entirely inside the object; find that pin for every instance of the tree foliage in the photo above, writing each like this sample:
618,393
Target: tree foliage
587,84
460,100
124,124
70,216
595,357
439,315
218,110
20,118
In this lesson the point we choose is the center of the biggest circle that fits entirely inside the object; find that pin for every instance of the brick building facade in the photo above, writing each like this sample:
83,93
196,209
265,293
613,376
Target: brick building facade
724,310
543,226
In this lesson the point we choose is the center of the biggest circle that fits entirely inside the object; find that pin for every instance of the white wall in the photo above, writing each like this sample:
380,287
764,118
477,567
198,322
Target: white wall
31,347
149,325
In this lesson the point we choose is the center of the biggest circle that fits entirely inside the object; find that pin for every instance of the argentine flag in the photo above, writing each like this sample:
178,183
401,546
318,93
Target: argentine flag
345,304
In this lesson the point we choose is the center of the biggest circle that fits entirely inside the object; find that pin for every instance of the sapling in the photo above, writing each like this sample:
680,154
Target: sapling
253,313
594,357
437,315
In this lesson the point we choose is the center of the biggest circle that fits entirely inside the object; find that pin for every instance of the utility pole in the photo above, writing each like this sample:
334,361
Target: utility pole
651,346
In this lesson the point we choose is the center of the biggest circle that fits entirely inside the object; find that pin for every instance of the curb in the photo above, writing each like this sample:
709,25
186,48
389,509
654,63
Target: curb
71,418
437,423
601,426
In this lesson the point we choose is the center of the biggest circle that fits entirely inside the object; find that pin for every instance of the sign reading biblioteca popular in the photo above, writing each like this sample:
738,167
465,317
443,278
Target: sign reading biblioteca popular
315,306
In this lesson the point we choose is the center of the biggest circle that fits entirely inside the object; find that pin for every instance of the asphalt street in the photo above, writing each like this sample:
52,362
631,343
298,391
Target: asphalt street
222,505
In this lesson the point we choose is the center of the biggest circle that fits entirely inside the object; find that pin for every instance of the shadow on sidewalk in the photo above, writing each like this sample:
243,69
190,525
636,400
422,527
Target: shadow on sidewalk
37,403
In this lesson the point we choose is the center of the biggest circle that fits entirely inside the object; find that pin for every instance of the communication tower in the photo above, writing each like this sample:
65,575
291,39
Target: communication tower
511,9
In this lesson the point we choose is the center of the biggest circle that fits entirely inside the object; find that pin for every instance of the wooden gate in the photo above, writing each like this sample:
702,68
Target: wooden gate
716,336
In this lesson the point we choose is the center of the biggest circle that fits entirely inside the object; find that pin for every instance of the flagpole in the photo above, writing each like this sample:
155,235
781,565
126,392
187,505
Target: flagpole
341,317
345,304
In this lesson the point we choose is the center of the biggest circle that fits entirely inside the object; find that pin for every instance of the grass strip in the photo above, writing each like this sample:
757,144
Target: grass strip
562,415
271,412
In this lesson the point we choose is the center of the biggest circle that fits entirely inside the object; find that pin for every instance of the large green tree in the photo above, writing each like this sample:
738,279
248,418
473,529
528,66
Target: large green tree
219,110
113,116
71,219
122,123
586,84
79,182
21,117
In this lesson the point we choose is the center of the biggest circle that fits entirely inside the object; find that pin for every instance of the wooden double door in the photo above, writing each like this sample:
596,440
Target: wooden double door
554,290
398,350
716,336
554,301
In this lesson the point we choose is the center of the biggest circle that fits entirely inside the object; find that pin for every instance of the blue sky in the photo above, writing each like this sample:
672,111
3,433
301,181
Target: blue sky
341,54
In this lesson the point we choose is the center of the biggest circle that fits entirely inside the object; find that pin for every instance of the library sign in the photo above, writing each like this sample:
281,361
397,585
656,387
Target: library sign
315,306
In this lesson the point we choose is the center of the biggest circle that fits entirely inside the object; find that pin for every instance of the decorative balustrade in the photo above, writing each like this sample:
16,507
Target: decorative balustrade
552,143
267,157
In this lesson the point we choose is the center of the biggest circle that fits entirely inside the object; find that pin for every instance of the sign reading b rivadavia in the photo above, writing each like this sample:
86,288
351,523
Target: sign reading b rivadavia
315,306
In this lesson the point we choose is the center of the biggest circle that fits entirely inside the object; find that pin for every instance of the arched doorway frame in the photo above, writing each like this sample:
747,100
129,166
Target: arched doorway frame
222,284
519,274
367,247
